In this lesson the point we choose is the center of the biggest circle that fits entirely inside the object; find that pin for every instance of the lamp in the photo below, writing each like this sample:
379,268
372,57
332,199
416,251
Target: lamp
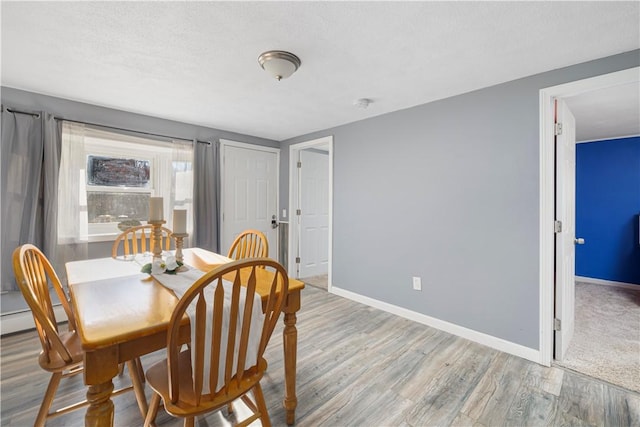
279,64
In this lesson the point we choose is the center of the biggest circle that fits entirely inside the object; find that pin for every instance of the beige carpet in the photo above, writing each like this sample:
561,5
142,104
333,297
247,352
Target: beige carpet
606,342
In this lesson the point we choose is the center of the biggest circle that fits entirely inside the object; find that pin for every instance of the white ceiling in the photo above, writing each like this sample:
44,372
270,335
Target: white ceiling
196,62
607,113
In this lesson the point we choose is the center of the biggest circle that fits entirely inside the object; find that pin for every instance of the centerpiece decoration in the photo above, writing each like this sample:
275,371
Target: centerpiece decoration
170,265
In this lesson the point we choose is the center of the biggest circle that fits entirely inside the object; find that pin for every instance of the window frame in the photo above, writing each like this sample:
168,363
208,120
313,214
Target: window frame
158,155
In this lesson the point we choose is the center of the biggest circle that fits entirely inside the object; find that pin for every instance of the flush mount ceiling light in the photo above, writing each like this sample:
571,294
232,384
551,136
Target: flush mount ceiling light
279,64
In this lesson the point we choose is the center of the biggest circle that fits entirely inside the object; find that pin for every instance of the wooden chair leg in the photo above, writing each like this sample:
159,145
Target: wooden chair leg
262,405
138,387
49,395
150,420
140,369
189,422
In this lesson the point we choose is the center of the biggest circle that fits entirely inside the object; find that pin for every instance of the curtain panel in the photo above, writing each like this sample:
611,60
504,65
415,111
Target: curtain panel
72,221
22,154
30,155
181,196
206,190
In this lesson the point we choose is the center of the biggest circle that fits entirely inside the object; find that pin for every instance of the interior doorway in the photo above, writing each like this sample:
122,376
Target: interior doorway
552,257
310,205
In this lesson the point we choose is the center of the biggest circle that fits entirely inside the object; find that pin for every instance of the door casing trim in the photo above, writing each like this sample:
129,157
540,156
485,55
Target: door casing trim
294,198
547,193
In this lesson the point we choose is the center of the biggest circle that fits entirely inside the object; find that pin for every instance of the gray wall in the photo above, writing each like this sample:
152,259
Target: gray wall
83,112
447,191
72,110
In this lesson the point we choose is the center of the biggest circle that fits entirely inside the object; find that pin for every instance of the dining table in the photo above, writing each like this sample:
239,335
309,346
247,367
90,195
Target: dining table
122,314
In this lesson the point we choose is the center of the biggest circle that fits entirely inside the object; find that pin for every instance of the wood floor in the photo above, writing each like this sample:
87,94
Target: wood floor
358,366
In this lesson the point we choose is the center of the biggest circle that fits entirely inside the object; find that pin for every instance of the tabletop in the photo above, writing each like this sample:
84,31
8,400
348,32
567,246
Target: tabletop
115,311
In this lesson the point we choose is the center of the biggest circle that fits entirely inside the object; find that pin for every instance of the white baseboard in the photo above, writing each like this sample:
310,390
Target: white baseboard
23,320
475,336
607,283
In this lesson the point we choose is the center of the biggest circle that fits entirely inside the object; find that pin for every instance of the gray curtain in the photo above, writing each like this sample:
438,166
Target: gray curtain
206,196
21,187
30,158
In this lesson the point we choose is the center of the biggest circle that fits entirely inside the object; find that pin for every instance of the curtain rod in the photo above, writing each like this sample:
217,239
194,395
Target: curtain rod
130,130
11,110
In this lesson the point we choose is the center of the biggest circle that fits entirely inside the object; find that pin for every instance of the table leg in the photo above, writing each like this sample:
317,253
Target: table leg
290,338
99,369
100,412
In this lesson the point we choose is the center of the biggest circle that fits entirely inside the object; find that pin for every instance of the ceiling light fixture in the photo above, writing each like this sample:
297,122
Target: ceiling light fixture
279,64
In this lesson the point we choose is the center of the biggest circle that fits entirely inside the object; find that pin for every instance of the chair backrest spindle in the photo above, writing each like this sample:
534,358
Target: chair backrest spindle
33,274
240,290
136,239
249,244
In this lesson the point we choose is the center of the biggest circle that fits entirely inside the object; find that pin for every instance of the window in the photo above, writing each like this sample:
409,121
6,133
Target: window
109,178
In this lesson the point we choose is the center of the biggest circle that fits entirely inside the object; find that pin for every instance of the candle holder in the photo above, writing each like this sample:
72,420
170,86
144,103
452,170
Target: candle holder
156,237
179,244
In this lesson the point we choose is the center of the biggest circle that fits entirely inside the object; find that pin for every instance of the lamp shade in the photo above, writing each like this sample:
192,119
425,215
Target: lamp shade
279,64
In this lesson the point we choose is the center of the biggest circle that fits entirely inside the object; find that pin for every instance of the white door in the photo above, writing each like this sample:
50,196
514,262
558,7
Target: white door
249,194
565,239
314,217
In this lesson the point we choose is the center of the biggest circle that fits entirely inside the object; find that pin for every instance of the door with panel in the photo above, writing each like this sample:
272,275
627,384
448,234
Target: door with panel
249,193
314,213
565,232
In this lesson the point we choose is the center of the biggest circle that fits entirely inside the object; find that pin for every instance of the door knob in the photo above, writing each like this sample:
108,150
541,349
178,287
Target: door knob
579,241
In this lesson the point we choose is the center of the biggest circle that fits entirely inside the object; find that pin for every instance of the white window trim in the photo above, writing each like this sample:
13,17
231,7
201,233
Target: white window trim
155,154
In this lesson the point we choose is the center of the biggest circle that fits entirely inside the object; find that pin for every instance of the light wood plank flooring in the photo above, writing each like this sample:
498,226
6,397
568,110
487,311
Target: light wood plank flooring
358,366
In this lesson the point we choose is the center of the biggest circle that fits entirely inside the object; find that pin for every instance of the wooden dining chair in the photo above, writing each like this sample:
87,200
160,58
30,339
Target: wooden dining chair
249,244
178,380
139,239
62,353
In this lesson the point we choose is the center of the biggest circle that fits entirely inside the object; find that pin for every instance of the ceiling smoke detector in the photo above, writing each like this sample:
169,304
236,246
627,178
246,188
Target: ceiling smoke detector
279,64
362,102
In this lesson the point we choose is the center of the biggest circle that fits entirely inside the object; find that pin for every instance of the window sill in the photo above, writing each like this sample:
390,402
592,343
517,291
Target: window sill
107,237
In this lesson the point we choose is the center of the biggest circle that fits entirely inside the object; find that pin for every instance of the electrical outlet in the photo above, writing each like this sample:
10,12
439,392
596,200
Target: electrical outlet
417,284
284,213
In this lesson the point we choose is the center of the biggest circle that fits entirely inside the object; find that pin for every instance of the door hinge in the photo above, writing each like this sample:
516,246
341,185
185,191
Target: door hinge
297,260
558,129
557,325
298,212
299,165
557,226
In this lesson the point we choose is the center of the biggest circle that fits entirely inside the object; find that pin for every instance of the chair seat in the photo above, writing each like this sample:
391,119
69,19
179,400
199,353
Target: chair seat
52,361
158,379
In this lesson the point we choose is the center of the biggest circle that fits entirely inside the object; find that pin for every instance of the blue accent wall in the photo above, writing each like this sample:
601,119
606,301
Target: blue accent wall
607,208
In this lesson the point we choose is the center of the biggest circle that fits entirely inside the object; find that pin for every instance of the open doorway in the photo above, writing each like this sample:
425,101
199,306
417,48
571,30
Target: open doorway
557,314
310,204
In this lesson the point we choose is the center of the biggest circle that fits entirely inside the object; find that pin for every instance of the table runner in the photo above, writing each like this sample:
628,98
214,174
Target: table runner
179,283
